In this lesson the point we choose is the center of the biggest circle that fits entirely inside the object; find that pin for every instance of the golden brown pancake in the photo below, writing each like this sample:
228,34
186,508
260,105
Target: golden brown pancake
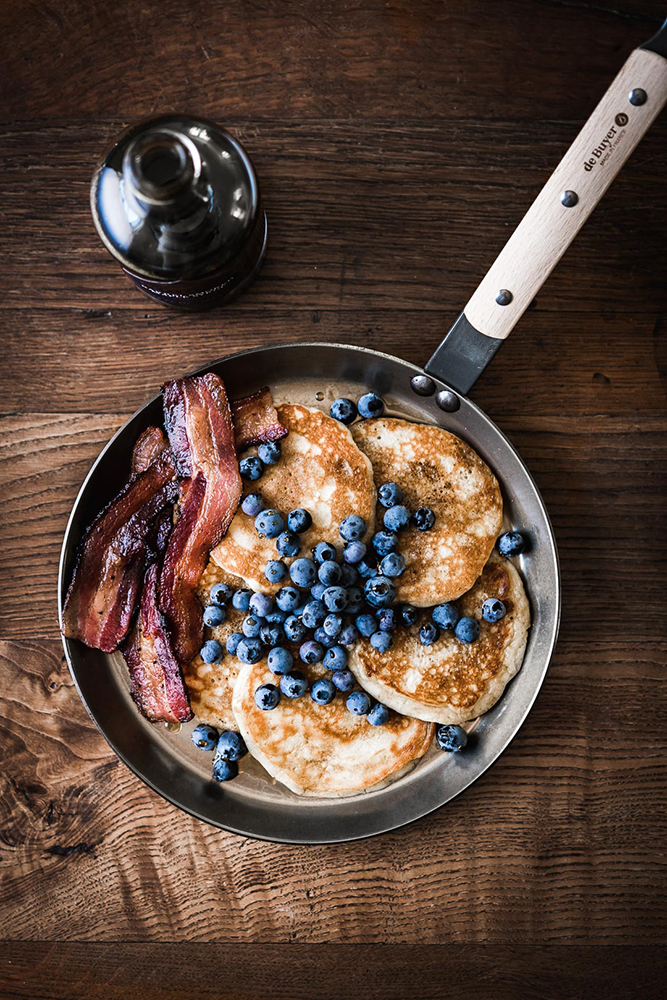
438,470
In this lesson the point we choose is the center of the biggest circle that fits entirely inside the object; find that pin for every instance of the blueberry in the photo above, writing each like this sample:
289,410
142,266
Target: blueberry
409,614
367,624
354,552
224,770
493,610
269,523
385,542
293,685
390,494
335,598
288,598
303,572
348,636
252,505
267,697
250,650
299,520
382,641
231,746
275,571
326,640
358,703
329,573
378,715
348,575
451,738
396,518
280,660
204,737
269,453
333,624
368,566
261,605
220,593
314,614
335,658
392,565
343,680
233,641
251,626
294,629
379,591
288,544
370,405
214,615
241,599
387,619
323,692
311,651
211,652
343,409
467,630
323,552
355,600
428,634
423,518
251,468
352,528
272,635
317,590
276,617
446,616
512,543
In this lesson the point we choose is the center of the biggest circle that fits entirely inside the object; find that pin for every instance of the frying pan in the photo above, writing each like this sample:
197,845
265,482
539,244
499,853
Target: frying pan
313,374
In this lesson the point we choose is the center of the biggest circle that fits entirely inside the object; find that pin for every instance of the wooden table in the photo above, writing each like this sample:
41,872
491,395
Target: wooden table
397,144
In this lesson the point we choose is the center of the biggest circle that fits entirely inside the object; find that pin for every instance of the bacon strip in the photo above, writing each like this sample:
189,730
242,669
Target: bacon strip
157,681
256,420
105,586
201,434
148,446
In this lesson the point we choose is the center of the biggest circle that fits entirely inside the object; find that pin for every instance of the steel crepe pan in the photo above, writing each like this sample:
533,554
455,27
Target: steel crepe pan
315,374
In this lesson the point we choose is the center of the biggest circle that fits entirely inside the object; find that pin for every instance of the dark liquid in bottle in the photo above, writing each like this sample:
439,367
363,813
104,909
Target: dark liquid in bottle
177,203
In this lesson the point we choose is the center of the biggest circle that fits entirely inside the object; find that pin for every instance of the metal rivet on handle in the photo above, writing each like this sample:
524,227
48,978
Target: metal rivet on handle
504,297
422,385
638,96
569,199
448,401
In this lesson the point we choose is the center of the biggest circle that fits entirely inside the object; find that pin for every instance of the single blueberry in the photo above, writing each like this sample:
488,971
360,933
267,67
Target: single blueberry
512,543
446,616
335,658
224,770
276,617
329,573
269,523
333,624
358,703
428,634
392,565
314,614
275,571
311,651
267,697
250,650
323,692
269,453
303,572
348,636
252,505
409,614
390,494
367,624
396,518
220,593
451,738
288,544
251,627
233,641
348,576
317,590
288,598
326,640
231,746
211,652
343,680
294,629
368,566
293,685
354,552
335,598
280,660
261,605
352,528
423,518
385,542
323,552
378,715
241,599
272,635
343,409
379,591
204,737
370,405
214,614
355,600
467,630
493,610
387,619
251,468
382,641
299,520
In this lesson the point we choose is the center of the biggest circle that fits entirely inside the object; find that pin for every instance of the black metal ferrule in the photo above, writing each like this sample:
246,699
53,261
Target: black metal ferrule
462,356
658,43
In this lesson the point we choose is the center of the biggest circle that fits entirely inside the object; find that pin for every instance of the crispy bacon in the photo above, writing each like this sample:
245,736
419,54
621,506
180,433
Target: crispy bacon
157,682
256,420
148,446
201,434
105,586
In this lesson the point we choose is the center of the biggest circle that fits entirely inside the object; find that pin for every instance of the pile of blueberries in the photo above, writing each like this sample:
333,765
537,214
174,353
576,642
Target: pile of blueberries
229,749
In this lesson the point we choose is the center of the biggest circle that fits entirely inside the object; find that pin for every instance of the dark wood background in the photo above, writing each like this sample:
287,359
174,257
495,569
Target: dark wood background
398,143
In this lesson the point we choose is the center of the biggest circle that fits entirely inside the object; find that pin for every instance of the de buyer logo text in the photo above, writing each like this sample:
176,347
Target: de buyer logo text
613,136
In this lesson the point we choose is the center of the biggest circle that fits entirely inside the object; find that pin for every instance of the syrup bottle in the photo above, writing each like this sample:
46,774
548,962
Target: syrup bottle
176,201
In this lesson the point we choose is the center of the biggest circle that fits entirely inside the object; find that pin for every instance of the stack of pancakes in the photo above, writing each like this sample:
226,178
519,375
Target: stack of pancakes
333,472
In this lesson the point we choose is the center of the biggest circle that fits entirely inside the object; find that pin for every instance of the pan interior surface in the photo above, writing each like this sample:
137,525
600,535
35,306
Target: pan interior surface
315,375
